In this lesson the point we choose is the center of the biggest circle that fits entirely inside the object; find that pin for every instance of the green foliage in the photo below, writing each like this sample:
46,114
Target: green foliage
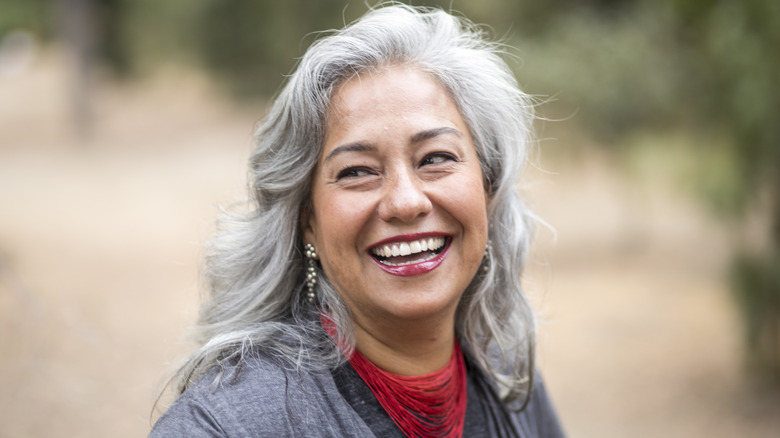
614,73
732,47
142,35
32,15
251,44
756,285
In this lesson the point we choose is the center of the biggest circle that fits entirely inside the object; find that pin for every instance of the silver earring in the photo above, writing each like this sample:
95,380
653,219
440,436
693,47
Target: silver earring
488,257
311,271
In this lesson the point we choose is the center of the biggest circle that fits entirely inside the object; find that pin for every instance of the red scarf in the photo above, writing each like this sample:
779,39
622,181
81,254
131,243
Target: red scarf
433,405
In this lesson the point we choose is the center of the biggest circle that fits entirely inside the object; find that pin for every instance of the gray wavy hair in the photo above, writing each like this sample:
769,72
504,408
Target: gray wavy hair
255,263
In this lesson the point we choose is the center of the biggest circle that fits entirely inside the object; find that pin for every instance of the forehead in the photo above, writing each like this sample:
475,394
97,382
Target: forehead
388,91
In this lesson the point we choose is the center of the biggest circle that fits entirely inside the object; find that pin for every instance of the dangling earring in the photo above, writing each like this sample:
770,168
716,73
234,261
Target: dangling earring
488,256
311,271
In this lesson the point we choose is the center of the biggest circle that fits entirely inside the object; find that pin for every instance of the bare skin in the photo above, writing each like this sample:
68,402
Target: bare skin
399,167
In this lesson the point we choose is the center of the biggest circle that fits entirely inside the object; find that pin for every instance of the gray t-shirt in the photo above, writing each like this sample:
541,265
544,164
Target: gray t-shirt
263,399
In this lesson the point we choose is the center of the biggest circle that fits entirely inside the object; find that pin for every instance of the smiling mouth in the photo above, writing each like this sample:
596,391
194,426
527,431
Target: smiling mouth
409,253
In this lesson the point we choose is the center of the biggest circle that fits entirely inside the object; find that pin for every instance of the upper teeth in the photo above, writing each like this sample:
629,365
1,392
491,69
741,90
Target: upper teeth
407,248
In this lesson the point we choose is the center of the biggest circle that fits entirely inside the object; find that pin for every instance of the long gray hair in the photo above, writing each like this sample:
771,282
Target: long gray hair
255,263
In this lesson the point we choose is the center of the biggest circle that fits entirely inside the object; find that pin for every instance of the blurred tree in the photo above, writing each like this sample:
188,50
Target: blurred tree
111,46
77,25
734,68
251,44
616,69
32,15
706,67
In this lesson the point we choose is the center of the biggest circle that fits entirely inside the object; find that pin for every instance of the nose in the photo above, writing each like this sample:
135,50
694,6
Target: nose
403,198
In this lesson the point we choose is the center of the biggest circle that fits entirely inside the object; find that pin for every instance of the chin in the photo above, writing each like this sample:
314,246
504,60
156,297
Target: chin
424,308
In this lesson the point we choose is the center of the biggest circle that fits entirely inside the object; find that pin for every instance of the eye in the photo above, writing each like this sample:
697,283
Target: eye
353,172
437,158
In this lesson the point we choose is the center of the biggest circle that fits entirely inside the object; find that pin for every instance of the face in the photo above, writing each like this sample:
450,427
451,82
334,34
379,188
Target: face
399,208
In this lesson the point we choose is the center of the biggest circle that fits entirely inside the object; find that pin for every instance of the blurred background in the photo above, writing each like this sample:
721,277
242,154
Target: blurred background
124,124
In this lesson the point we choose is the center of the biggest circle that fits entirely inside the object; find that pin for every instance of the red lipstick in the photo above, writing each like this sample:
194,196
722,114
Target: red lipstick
411,269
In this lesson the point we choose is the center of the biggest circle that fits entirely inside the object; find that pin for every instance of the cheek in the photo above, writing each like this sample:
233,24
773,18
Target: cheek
338,236
339,221
470,209
332,239
469,202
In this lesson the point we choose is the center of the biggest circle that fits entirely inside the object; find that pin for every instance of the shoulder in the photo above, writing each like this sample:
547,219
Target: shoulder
257,398
539,417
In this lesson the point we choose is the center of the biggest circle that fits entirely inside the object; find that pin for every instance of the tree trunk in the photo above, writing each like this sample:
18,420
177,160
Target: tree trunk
77,24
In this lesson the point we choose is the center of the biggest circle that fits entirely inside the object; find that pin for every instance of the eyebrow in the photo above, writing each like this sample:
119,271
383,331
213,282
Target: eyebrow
435,132
349,147
416,138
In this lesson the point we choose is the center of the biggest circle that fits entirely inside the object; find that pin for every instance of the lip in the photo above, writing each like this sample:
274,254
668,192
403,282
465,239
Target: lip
414,268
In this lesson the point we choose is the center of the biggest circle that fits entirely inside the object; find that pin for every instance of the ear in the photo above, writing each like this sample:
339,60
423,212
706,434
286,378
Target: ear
308,224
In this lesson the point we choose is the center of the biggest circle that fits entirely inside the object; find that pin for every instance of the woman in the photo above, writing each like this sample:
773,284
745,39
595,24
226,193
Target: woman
373,287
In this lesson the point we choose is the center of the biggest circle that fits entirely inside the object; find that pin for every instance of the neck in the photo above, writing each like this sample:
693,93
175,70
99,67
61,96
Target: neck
408,349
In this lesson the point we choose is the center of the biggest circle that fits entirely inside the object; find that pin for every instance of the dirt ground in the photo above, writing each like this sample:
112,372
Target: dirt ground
100,248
